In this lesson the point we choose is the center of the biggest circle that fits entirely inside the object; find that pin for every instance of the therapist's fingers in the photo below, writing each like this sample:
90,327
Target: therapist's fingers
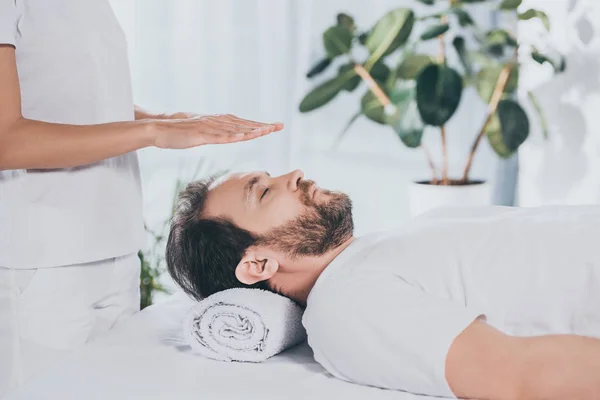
233,120
201,130
218,137
230,118
232,127
228,121
221,138
230,124
250,130
249,123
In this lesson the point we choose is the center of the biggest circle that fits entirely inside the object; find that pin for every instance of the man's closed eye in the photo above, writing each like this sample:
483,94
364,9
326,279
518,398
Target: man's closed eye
264,193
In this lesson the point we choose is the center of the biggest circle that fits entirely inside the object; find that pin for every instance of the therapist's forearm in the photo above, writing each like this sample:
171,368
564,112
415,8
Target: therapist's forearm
41,145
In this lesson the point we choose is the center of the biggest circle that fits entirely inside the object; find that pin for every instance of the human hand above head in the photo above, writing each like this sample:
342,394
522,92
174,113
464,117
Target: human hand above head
182,130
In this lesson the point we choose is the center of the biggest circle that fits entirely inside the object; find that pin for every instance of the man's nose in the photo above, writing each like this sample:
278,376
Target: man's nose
294,178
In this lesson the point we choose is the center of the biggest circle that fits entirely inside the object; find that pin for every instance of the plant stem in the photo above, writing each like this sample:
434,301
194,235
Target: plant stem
442,60
434,179
442,54
385,101
492,107
373,86
538,109
445,179
346,127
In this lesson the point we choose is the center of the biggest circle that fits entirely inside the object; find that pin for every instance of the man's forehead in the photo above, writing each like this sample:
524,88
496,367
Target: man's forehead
235,177
226,193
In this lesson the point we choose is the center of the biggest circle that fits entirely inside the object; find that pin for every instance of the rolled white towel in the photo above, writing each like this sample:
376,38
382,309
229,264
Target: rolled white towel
241,324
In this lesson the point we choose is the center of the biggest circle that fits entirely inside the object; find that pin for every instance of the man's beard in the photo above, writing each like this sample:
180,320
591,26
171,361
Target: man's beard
322,228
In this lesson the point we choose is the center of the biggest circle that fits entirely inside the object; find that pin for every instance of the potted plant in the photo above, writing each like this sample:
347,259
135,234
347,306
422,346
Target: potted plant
152,258
422,90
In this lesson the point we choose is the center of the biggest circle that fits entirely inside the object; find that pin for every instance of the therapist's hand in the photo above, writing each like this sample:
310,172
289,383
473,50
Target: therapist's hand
182,131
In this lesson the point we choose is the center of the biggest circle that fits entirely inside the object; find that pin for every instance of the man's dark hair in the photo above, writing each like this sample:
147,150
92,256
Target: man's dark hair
203,253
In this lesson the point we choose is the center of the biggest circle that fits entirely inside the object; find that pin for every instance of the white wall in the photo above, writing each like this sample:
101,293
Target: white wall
566,168
249,58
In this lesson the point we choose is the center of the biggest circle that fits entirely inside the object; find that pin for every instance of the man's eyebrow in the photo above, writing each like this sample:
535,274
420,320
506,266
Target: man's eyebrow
251,183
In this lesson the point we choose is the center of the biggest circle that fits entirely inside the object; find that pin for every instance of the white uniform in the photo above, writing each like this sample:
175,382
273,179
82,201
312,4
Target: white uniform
386,311
74,229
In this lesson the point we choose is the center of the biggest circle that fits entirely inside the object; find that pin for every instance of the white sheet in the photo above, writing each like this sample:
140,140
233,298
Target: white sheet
134,361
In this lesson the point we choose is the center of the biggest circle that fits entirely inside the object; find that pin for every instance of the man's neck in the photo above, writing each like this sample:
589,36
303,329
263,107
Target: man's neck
297,285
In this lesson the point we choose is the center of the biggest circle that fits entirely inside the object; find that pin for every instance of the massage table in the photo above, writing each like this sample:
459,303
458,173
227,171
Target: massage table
139,359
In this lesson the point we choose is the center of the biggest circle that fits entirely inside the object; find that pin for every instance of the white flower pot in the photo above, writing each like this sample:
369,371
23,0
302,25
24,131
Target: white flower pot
424,197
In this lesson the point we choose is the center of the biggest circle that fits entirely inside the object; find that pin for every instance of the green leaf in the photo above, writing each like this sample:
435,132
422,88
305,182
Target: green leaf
559,66
510,4
323,93
500,37
487,78
318,68
406,120
337,41
494,135
346,21
428,2
389,33
511,41
540,113
464,18
372,108
353,82
380,72
496,40
472,1
362,38
463,54
514,122
435,16
412,65
483,60
434,31
531,13
540,58
439,90
509,128
346,128
562,66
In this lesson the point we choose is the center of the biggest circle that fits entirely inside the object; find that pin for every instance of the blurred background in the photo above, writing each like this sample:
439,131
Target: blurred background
251,57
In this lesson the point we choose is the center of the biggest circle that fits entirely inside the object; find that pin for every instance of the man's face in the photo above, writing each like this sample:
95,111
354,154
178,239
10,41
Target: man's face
286,212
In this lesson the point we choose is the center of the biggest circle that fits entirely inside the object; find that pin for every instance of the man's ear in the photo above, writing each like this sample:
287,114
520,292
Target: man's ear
254,267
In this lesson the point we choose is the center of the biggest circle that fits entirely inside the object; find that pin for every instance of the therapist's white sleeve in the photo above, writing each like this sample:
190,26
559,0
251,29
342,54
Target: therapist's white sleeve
389,335
9,17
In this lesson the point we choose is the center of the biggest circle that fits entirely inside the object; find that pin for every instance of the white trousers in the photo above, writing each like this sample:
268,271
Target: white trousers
47,312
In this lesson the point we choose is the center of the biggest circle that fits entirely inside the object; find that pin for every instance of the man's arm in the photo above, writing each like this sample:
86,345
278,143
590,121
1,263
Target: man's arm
484,363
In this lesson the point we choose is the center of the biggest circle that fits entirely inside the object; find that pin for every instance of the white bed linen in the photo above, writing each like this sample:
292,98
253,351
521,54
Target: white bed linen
135,361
